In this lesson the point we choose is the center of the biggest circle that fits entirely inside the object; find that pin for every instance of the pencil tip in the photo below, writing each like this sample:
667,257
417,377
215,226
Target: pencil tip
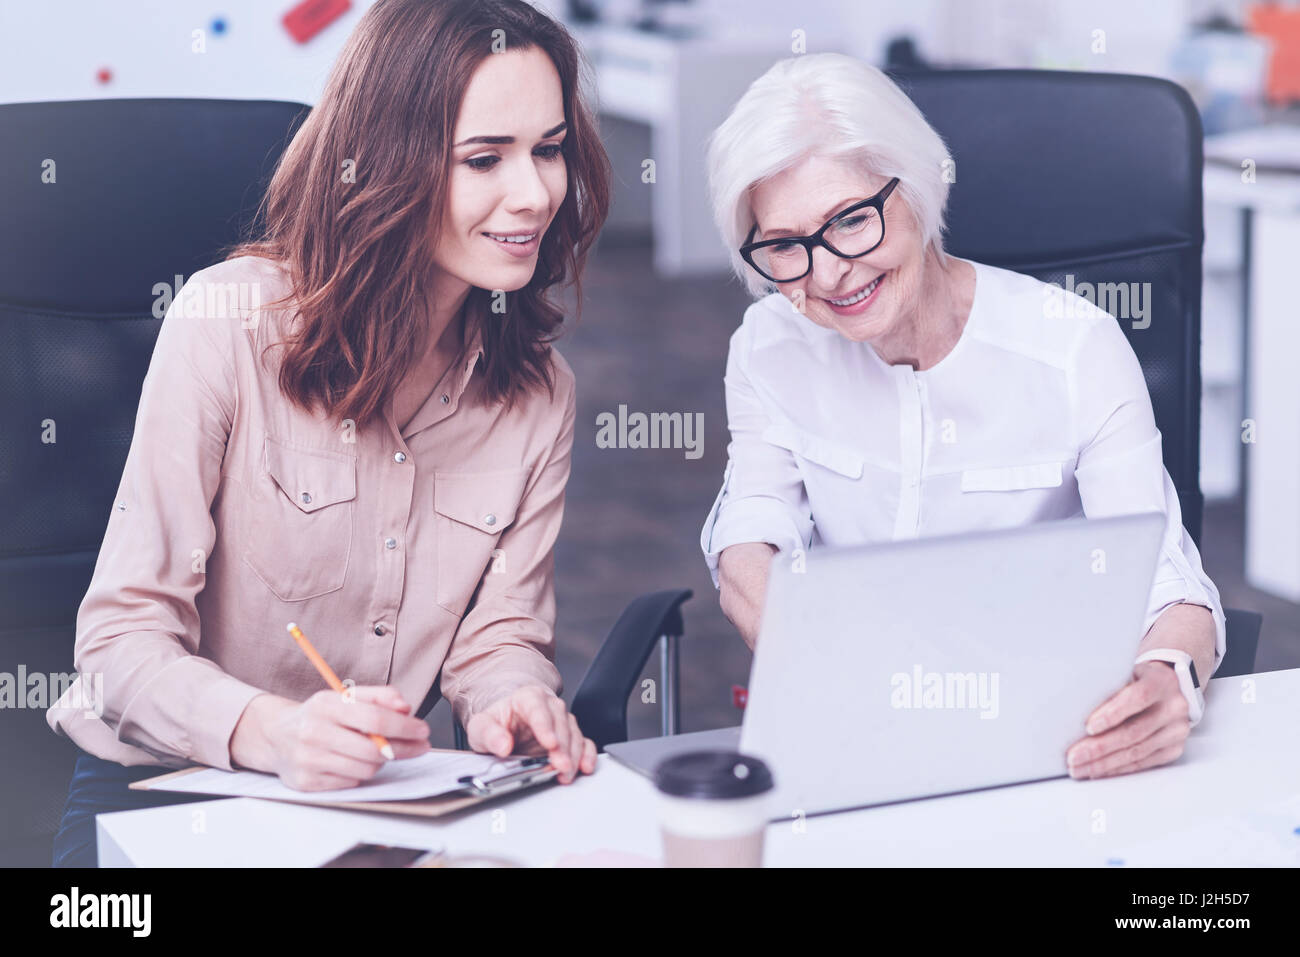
387,751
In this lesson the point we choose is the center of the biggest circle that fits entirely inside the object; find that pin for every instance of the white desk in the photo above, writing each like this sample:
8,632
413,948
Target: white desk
1242,759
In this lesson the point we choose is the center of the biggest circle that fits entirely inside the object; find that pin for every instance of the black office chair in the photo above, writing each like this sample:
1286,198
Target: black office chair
1094,175
1098,176
104,199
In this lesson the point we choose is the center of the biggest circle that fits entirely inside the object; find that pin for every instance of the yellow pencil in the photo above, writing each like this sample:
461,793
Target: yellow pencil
332,680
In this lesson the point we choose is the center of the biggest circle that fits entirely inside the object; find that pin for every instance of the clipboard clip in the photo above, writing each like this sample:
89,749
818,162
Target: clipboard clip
527,771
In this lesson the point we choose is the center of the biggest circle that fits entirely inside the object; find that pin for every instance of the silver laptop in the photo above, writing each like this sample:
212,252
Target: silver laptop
935,665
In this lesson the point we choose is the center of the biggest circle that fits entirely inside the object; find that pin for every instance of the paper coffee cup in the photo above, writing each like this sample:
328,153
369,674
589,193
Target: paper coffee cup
713,809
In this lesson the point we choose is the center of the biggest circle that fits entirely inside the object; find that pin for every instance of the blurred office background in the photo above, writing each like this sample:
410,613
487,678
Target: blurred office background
659,306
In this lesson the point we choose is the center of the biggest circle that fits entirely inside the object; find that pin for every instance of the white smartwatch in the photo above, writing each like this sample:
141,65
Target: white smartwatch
1188,683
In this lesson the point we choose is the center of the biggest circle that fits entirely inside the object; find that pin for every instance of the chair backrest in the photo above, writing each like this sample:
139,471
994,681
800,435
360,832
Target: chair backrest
1089,178
106,201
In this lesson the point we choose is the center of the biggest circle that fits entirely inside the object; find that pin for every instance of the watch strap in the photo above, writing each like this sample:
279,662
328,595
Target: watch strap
1185,669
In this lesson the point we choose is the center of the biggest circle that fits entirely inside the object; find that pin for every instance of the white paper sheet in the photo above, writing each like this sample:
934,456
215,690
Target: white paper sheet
430,774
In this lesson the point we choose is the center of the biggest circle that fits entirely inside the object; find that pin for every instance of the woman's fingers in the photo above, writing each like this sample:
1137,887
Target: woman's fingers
488,733
1154,759
534,709
535,717
1167,742
1145,717
317,762
343,765
561,754
588,756
346,741
583,749
1134,697
1137,728
371,714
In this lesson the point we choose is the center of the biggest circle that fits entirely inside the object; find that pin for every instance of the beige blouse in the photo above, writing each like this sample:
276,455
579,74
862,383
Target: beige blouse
401,552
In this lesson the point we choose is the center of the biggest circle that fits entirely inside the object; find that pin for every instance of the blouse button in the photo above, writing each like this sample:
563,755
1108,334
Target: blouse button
489,519
379,629
400,457
390,543
306,498
445,398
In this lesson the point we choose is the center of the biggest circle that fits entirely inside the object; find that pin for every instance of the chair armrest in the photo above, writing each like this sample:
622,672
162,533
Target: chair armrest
1243,642
600,703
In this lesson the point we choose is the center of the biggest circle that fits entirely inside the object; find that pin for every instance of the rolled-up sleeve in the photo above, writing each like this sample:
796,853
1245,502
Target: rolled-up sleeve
506,640
1121,470
137,628
762,498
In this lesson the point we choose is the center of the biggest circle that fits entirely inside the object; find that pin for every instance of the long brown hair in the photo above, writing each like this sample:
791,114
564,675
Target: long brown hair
360,253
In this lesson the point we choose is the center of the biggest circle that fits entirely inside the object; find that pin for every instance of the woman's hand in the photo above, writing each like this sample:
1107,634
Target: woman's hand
531,720
322,743
1141,726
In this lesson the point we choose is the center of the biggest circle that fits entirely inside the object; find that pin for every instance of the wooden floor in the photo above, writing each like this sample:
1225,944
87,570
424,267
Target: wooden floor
633,516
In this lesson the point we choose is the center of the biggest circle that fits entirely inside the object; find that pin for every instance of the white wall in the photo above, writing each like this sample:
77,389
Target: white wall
861,27
52,50
1139,35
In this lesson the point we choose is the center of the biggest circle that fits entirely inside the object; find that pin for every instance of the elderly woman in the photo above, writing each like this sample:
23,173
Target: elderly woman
882,389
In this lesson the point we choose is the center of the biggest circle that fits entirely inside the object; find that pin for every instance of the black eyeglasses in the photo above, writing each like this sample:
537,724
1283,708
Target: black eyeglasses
850,233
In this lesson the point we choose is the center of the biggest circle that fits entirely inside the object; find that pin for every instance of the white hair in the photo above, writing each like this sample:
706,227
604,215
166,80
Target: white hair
831,105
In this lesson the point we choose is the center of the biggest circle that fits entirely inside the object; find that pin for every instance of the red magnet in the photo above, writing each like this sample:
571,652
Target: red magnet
310,17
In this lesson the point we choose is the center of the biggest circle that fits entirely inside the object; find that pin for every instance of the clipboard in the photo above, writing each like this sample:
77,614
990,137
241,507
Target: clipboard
529,773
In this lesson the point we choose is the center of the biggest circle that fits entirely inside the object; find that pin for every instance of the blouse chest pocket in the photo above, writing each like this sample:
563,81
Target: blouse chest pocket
472,510
1011,477
298,530
838,458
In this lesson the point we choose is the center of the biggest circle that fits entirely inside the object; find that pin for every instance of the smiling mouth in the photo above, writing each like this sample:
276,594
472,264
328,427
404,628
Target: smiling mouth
858,296
517,239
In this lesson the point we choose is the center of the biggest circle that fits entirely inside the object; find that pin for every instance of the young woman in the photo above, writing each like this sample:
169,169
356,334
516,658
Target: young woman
357,423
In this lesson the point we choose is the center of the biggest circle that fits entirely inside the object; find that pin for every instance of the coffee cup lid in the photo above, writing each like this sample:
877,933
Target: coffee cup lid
719,775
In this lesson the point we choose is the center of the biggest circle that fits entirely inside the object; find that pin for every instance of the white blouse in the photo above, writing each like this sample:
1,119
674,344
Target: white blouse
1031,417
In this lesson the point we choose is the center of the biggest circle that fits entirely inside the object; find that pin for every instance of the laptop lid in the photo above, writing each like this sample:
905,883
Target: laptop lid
937,665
